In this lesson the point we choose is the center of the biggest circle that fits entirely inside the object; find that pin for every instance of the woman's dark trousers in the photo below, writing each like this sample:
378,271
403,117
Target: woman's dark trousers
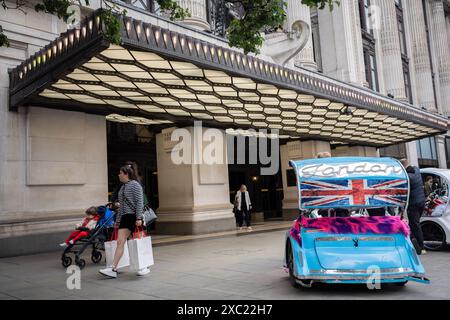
243,215
415,211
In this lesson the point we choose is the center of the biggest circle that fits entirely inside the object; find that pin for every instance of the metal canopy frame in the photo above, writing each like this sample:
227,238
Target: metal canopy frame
159,74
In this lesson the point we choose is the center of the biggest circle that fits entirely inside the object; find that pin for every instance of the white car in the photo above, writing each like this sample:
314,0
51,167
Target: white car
435,220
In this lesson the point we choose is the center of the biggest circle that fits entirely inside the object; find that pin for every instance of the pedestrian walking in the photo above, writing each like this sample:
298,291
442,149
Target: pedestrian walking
135,167
129,215
243,207
416,204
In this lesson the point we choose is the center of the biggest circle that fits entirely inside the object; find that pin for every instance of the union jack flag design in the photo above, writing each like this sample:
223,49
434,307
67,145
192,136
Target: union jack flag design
358,192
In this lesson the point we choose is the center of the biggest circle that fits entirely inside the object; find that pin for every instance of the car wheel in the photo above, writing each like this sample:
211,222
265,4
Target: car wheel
290,264
433,236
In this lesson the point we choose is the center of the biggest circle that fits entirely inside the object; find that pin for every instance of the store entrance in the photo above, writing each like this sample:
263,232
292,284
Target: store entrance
265,191
137,143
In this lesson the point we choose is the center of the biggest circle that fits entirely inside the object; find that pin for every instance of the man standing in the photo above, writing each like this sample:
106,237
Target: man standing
416,203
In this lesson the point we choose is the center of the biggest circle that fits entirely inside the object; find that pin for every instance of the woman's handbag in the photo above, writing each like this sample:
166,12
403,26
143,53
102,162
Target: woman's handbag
149,216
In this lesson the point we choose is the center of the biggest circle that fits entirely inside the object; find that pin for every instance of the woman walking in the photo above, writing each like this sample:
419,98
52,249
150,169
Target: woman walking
243,207
129,214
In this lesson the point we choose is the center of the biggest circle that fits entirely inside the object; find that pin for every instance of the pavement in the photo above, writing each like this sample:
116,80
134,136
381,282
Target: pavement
239,266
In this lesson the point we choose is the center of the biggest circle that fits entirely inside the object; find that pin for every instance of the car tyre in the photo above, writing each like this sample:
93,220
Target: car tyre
401,284
290,264
433,232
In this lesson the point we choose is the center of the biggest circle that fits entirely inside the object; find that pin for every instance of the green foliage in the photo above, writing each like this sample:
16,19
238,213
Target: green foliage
321,4
245,33
57,7
112,25
108,16
4,42
176,12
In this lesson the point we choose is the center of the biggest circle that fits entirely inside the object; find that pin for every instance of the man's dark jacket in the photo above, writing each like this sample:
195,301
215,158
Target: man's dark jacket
417,194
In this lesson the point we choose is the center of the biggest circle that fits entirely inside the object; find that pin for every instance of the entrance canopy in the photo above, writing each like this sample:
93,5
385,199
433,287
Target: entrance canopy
157,76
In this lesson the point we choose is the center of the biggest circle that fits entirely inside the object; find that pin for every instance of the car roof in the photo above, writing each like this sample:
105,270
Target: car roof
440,171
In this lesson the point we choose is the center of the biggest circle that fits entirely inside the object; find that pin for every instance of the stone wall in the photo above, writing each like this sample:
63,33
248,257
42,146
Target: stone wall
53,163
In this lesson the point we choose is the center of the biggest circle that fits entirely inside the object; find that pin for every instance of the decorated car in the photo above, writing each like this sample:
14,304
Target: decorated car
435,220
350,228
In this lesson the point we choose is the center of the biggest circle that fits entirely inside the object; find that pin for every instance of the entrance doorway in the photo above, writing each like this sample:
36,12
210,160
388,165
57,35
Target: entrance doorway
265,191
130,142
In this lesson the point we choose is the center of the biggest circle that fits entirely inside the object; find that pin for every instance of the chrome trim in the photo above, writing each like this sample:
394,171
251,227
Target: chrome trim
376,239
365,277
360,271
322,239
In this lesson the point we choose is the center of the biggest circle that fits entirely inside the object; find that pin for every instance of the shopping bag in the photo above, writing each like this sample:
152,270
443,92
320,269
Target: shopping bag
110,249
140,251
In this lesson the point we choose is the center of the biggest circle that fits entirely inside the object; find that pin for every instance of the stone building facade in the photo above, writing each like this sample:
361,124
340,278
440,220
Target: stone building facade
53,161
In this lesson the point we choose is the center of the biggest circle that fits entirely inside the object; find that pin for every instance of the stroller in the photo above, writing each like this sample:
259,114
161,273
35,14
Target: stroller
96,239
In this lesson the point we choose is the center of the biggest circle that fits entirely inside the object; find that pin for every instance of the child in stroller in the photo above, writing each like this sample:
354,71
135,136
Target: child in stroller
82,230
103,222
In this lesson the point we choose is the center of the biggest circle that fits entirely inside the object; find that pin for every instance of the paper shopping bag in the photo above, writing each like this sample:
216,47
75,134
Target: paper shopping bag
110,249
141,253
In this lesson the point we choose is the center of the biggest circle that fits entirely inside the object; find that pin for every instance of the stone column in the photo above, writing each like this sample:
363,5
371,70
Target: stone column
391,50
355,151
295,12
440,150
411,153
442,52
198,11
341,42
420,55
193,195
296,150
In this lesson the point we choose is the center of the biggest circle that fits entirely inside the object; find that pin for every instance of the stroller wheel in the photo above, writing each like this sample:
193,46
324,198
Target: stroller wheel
96,256
80,263
66,261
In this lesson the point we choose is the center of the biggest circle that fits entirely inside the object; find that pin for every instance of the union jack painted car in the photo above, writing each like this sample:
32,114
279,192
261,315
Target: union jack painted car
350,228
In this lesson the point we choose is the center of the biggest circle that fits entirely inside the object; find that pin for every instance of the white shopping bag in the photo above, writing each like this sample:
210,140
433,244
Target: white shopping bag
141,253
110,249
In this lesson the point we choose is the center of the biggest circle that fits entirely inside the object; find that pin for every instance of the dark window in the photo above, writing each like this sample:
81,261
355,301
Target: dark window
404,50
370,60
315,36
397,151
447,150
407,80
364,16
401,31
371,68
426,151
291,179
